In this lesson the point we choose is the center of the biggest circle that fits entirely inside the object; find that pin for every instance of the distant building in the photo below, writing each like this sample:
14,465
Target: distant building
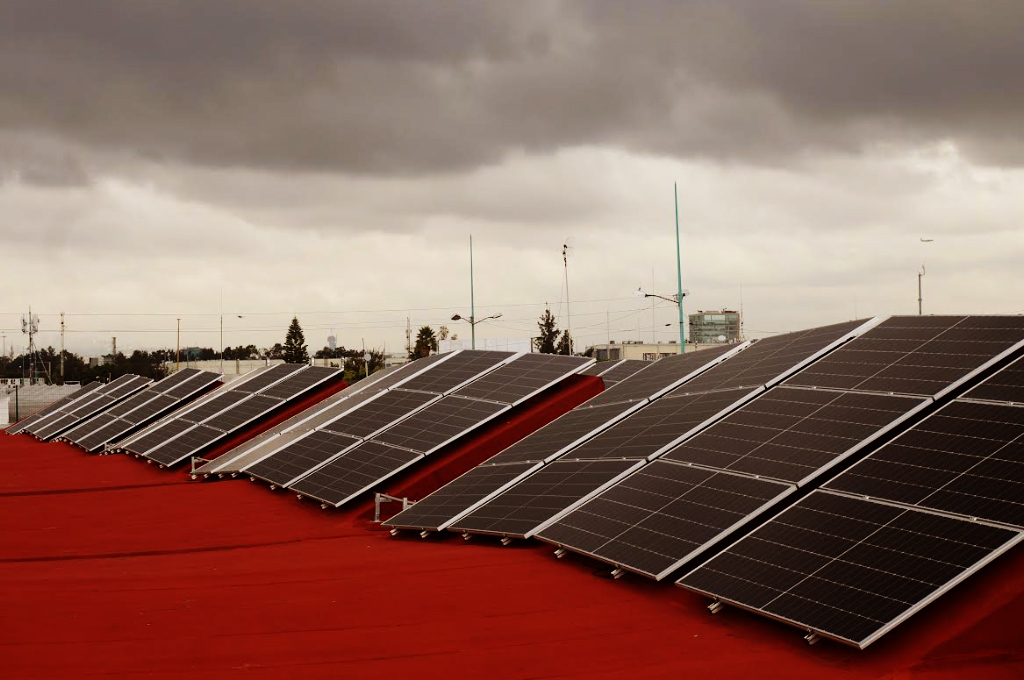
643,351
715,328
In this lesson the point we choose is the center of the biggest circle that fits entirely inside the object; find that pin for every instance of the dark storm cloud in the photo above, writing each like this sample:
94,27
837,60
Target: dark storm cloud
418,87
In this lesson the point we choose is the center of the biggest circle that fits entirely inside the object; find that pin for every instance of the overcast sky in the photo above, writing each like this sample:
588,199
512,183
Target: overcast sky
259,158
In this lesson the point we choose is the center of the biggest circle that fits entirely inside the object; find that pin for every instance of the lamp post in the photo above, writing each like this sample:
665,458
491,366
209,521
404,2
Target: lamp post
473,322
676,300
920,275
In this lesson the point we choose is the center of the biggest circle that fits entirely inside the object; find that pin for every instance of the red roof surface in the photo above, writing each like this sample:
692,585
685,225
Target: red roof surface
113,567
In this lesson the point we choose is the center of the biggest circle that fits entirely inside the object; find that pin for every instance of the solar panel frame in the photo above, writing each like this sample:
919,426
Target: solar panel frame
301,381
185,444
322,483
620,370
380,412
492,479
243,412
523,377
660,425
565,433
86,428
664,375
457,370
260,379
439,423
844,541
664,555
608,471
966,459
1004,386
96,439
886,355
314,449
813,413
152,437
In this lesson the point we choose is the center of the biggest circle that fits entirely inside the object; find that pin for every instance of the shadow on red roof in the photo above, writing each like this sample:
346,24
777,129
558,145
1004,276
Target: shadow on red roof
114,567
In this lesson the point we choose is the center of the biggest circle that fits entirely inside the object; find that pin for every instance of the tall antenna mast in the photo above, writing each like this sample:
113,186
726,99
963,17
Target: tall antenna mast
62,348
30,326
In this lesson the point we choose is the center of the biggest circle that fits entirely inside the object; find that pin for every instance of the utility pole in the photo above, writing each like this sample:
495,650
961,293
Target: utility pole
920,307
568,312
408,336
114,355
62,348
177,349
472,300
679,272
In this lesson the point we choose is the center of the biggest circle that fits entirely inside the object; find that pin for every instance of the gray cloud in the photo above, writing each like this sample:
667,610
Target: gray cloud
412,87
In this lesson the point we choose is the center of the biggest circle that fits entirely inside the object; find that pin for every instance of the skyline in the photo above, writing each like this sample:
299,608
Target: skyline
332,161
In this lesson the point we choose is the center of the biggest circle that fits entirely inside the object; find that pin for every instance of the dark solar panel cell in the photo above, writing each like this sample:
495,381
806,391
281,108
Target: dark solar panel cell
559,434
158,436
657,425
243,412
439,423
443,505
300,382
621,371
657,377
655,518
156,405
522,378
213,406
82,430
1006,385
300,457
548,491
769,358
901,357
354,472
445,376
192,386
379,413
789,434
175,379
845,567
191,442
267,377
967,459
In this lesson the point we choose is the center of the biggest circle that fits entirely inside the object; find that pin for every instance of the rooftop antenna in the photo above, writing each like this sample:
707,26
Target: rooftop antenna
568,314
30,326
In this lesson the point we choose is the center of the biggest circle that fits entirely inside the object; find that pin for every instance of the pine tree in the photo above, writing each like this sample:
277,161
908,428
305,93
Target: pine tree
564,346
426,342
295,344
545,343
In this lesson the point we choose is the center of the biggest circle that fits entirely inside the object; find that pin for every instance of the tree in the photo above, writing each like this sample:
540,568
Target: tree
545,343
295,344
426,342
564,344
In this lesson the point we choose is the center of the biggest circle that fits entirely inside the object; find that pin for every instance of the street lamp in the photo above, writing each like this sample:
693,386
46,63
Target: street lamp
676,300
472,324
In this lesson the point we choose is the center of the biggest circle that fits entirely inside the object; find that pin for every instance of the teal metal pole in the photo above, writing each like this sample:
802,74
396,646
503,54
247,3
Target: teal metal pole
679,274
472,300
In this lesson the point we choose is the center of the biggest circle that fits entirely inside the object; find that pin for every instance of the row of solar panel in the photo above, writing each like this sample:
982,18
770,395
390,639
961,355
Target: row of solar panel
81,405
709,475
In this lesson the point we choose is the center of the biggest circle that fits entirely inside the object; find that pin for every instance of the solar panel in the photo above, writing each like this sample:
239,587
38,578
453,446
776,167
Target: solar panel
299,457
156,405
966,459
660,376
374,416
561,435
84,429
88,406
600,367
769,360
28,421
525,507
121,389
298,383
659,425
1006,385
355,471
456,370
439,509
55,424
152,438
243,412
439,423
264,378
845,568
621,370
132,402
190,387
794,434
917,355
219,402
175,379
108,432
523,377
183,446
663,515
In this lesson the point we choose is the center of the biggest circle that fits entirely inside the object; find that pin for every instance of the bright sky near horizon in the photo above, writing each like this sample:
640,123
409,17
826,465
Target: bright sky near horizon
165,161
